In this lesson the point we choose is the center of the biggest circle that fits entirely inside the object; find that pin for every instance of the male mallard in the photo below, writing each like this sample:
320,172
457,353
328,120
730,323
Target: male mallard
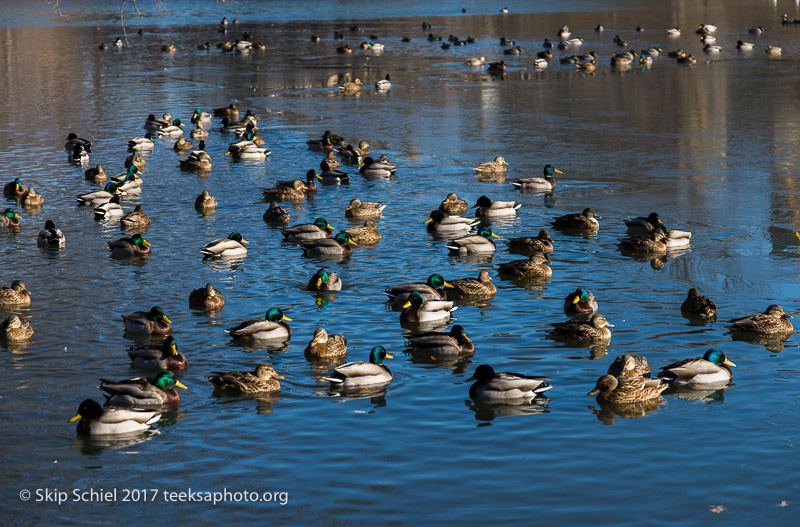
98,197
594,331
15,295
479,287
385,83
96,420
109,209
205,202
697,305
627,389
498,165
50,236
15,189
141,392
128,183
271,327
10,219
15,328
296,191
497,67
324,281
200,117
505,385
417,309
474,243
744,46
141,144
452,205
173,130
309,231
135,219
695,372
351,154
532,268
366,234
363,209
242,151
361,373
326,142
655,243
376,169
542,243
325,345
516,50
33,199
673,32
431,289
152,124
164,357
331,175
495,209
134,246
276,213
580,302
74,141
153,322
630,365
712,49
673,238
547,182
233,245
340,245
262,379
79,156
206,298
443,225
310,184
773,321
454,343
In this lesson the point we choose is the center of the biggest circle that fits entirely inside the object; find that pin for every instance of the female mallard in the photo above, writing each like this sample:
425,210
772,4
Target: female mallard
233,245
230,111
98,197
630,365
452,205
271,327
331,175
688,60
309,231
711,370
135,219
142,144
542,243
443,225
74,141
340,245
366,234
325,345
773,50
206,298
454,343
363,209
276,213
33,199
330,158
96,174
15,329
310,184
498,165
10,219
505,385
153,322
417,309
165,357
182,144
50,236
532,268
362,373
173,130
474,61
474,243
134,246
481,286
655,243
205,202
627,389
142,392
324,281
137,160
296,191
96,420
198,132
580,302
697,305
376,169
585,221
497,67
108,210
495,209
773,321
595,331
351,88
15,295
15,189
546,182
431,289
263,379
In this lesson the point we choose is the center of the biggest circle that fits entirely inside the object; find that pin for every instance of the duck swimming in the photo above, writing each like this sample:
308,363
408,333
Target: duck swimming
50,236
454,343
153,322
417,309
166,357
324,281
142,393
474,287
340,245
309,231
15,329
263,379
95,420
272,327
771,322
10,219
711,370
443,225
363,209
206,298
528,269
432,289
580,302
453,206
505,385
132,247
325,346
233,245
494,209
594,332
547,182
362,373
475,243
627,389
542,243
697,305
15,295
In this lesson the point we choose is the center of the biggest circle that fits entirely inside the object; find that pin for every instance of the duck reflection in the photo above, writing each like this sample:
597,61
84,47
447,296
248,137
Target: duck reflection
773,343
608,412
488,410
93,445
716,395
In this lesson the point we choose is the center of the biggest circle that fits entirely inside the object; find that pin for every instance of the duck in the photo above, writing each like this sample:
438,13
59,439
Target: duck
620,62
331,160
630,365
643,225
324,281
326,142
673,238
73,141
540,63
15,189
654,243
98,197
580,302
708,39
365,235
564,33
495,209
309,231
443,225
94,420
276,213
153,322
15,295
505,385
376,169
744,46
272,327
97,173
547,182
164,357
574,42
151,124
363,209
546,54
688,60
79,156
772,322
310,184
296,191
542,243
474,287
351,88
699,306
710,370
109,209
340,245
594,331
516,50
363,373
497,67
135,219
199,159
325,346
673,32
711,49
142,144
627,389
653,52
454,343
230,111
475,61
129,183
200,117
142,392
198,132
247,151
134,246
530,268
452,205
50,236
33,199
345,49
756,30
10,219
232,245
205,202
173,130
677,54
417,309
331,175
498,165
385,83
479,242
182,145
263,379
229,126
206,298
15,329
351,154
705,29
773,50
432,289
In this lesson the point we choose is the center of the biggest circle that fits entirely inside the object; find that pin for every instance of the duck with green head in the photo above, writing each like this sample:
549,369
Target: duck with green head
710,371
362,373
309,231
98,421
311,181
506,386
129,183
324,281
10,219
495,209
442,225
546,182
164,357
419,310
233,245
173,130
432,289
141,392
153,322
263,379
580,302
272,327
448,345
341,245
15,190
479,242
98,197
135,246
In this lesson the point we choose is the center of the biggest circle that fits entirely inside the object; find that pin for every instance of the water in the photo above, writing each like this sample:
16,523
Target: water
712,148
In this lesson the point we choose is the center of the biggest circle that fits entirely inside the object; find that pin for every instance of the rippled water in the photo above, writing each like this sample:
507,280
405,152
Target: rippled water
713,148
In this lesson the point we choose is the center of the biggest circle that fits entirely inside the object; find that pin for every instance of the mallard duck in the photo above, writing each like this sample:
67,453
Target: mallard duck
376,169
474,243
10,219
363,209
594,331
481,286
580,302
143,392
621,61
230,111
325,345
653,52
230,127
15,189
452,205
756,30
654,243
688,60
495,209
712,49
695,372
310,184
475,61
129,183
151,124
505,385
330,175
546,54
432,289
706,29
281,193
497,67
74,141
247,150
677,54
417,309
385,83
674,32
443,225
498,165
200,117
153,322
173,130
454,343
15,295
131,247
351,155
643,225
141,144
135,219
233,245
98,197
324,281
309,231
33,199
109,209
206,298
50,236
547,182
97,173
773,321
331,160
182,145
528,269
708,39
351,88
276,213
574,42
96,420
773,50
326,142
15,329
627,389
744,46
697,305
263,379
361,373
199,159
137,160
564,33
272,327
205,202
542,243
366,234
340,245
630,365
198,132
516,50
164,357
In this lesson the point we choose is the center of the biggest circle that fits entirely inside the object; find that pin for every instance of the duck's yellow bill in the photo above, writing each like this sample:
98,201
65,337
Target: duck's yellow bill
168,321
557,171
331,227
351,242
17,216
576,300
244,241
729,363
74,418
286,318
145,242
389,356
407,304
179,384
317,176
593,391
450,286
431,219
466,337
276,376
495,236
228,153
472,378
173,349
319,282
